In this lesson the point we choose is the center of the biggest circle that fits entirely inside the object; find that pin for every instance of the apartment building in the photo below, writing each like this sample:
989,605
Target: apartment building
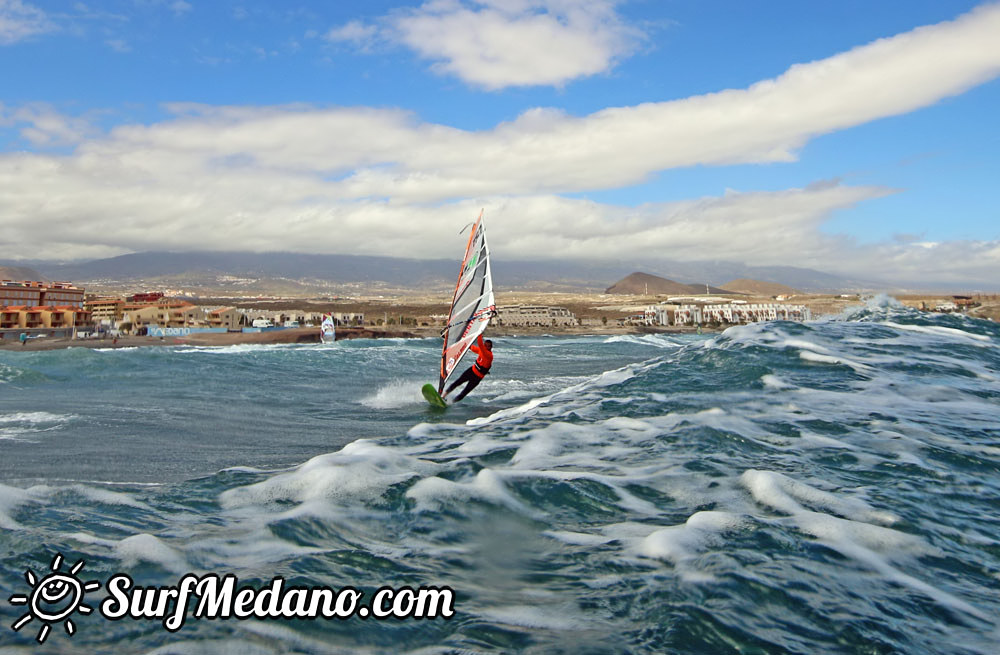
35,294
733,313
534,316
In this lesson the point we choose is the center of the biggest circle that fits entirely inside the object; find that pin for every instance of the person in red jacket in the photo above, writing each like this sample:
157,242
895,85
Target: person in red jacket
475,374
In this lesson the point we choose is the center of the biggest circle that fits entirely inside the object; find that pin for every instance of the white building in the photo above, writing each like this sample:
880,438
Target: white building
733,313
534,315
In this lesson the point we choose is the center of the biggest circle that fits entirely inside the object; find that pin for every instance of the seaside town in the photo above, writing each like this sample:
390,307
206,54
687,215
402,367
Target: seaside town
31,310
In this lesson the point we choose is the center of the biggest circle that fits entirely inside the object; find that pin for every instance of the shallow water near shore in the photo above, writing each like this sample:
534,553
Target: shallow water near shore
828,487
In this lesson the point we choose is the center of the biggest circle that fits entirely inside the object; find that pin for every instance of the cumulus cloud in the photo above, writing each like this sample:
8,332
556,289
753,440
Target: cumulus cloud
494,44
309,179
43,125
19,20
356,33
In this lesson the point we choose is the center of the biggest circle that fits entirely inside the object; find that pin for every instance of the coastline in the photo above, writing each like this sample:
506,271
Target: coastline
312,335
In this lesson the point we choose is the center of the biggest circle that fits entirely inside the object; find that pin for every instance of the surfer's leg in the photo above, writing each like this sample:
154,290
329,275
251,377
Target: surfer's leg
473,383
463,378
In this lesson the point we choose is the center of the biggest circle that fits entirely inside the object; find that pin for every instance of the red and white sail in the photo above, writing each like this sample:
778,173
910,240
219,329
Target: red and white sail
473,304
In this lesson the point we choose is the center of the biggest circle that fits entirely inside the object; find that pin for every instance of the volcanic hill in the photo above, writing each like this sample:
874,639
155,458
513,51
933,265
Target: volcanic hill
644,284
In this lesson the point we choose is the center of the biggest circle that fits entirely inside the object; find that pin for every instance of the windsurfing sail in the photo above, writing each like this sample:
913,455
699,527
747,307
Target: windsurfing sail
472,306
328,329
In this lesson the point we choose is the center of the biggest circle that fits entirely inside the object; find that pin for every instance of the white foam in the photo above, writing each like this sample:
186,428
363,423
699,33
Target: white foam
35,418
545,617
577,538
774,382
822,441
542,445
360,472
214,647
784,494
18,426
811,356
679,543
512,412
626,500
292,641
657,340
433,493
235,349
605,379
145,547
245,469
138,548
870,545
254,548
397,393
10,499
804,345
940,331
108,497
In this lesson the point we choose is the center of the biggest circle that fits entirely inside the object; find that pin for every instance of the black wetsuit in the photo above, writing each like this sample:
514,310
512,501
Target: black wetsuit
475,373
469,376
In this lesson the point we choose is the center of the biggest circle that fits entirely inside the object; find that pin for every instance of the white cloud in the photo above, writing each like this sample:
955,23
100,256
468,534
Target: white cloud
310,179
19,21
119,45
495,44
355,32
385,153
42,125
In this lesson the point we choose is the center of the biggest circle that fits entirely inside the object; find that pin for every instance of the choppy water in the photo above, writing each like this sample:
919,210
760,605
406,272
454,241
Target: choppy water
830,487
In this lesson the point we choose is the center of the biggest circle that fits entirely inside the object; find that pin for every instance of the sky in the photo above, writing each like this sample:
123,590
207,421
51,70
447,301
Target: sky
852,137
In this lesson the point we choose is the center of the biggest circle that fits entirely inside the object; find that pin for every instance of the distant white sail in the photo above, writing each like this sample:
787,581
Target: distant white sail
473,304
328,329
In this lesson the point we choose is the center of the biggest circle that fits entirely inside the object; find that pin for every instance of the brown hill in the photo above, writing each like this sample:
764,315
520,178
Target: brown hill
759,288
20,273
644,284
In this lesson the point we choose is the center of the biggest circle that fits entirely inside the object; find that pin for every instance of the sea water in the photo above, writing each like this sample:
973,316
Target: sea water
826,487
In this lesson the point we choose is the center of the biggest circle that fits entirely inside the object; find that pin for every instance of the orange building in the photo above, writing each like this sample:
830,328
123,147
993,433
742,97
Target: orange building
16,294
60,294
164,314
40,293
43,316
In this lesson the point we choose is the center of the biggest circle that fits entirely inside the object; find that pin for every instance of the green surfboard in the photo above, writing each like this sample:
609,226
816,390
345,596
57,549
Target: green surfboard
433,397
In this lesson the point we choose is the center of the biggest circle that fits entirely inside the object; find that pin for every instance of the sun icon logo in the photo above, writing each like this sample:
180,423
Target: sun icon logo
54,598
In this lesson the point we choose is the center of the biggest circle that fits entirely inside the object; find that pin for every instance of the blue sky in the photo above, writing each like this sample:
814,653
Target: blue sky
851,137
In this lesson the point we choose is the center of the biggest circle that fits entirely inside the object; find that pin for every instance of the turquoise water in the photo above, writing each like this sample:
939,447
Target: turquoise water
829,487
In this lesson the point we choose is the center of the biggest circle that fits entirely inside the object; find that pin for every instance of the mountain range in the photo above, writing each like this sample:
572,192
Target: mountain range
431,275
759,288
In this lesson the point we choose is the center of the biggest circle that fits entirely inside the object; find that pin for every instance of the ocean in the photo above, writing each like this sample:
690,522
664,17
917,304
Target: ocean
824,487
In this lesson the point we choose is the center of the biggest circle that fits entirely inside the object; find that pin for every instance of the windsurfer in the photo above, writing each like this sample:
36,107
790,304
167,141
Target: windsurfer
475,373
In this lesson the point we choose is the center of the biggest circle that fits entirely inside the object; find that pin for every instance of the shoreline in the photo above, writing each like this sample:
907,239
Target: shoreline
312,335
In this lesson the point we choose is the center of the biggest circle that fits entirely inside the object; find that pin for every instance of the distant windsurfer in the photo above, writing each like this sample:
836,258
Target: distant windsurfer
475,373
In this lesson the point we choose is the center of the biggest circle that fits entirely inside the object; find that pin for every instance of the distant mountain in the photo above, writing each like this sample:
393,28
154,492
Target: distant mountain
718,272
348,268
156,268
759,288
644,284
20,274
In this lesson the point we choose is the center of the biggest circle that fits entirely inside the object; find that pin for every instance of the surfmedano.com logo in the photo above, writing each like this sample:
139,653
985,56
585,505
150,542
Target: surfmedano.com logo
54,598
